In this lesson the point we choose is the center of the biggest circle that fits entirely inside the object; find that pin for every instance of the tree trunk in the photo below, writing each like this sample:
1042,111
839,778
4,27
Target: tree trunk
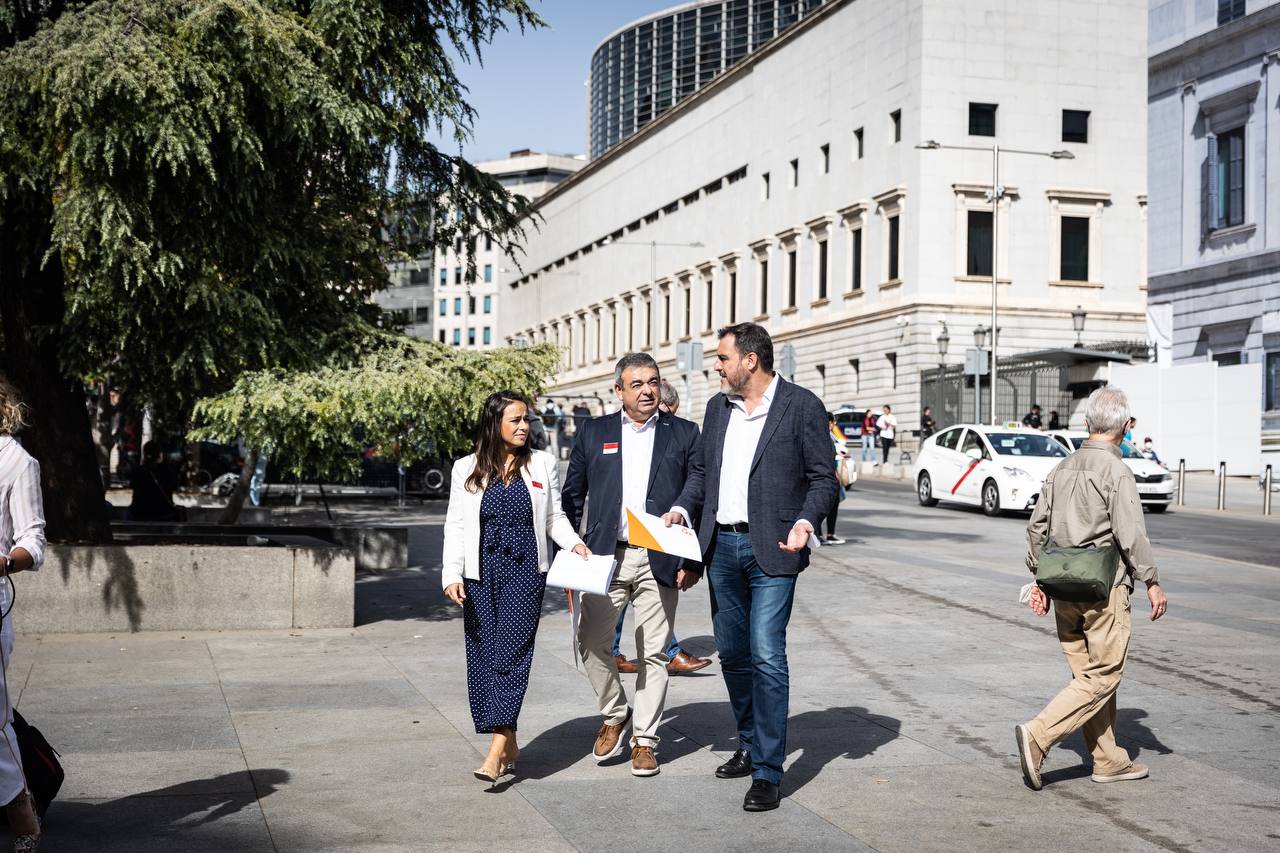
235,502
59,436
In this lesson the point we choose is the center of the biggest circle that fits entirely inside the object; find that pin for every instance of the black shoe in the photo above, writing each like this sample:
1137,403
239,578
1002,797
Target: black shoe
736,767
762,797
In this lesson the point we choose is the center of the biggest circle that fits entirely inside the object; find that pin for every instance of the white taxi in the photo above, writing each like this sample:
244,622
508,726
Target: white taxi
995,467
1155,484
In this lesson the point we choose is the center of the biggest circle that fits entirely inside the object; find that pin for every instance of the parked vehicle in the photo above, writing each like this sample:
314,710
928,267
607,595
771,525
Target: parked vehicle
995,467
1155,484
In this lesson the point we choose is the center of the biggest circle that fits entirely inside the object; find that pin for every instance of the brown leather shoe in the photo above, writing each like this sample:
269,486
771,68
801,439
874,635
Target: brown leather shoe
643,761
609,739
625,666
686,663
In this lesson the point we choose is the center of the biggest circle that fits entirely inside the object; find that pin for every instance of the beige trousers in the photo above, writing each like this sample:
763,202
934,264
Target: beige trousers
1095,639
654,606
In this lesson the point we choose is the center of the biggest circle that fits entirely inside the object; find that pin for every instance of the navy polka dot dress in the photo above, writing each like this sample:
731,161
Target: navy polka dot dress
501,611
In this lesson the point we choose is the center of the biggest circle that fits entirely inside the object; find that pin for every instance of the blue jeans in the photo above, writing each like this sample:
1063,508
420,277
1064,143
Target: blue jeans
750,611
672,651
868,448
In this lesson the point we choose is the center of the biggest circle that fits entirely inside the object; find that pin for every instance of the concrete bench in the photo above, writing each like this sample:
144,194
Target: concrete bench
86,588
375,548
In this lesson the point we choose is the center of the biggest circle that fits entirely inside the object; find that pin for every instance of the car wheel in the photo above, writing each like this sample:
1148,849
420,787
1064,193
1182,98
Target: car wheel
924,490
1157,507
991,498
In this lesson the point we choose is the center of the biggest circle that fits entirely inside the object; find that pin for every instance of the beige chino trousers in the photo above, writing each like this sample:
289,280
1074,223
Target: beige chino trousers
1095,639
654,606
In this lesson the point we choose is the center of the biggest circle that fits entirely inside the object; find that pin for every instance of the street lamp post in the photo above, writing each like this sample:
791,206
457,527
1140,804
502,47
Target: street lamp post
979,341
944,340
1077,321
997,192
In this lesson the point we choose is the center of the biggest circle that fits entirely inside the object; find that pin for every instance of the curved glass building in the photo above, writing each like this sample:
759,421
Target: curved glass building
644,69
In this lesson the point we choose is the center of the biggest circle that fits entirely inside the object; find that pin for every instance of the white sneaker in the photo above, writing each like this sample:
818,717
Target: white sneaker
1132,772
833,540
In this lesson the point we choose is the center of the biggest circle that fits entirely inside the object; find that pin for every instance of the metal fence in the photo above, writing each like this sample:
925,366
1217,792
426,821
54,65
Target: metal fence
1020,385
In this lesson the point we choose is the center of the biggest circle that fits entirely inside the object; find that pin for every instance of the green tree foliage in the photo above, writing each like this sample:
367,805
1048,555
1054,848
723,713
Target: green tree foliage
191,189
409,400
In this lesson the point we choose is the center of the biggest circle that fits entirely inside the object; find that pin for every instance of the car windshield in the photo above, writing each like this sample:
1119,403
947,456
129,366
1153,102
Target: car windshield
1076,442
1025,444
1128,451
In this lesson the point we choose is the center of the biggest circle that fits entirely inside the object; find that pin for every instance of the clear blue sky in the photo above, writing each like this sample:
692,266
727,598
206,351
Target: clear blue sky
530,93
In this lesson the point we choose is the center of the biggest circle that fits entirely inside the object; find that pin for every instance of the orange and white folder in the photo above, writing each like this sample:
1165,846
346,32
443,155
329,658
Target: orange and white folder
649,531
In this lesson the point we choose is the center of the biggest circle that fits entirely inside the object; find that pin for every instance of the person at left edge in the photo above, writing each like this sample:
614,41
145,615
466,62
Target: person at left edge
504,502
637,458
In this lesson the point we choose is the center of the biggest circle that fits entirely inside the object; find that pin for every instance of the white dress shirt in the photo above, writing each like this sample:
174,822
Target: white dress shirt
637,456
22,521
741,437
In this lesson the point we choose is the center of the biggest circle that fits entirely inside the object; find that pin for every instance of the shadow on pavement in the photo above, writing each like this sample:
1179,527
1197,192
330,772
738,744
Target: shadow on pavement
1131,733
824,736
175,817
415,594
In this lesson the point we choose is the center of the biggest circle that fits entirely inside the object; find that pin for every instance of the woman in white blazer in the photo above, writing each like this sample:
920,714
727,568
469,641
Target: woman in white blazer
504,503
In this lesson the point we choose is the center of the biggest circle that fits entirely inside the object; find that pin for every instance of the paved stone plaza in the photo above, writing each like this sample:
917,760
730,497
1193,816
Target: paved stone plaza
911,661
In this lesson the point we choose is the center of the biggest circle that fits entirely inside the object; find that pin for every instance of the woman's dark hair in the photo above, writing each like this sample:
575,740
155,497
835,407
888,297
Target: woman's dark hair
490,449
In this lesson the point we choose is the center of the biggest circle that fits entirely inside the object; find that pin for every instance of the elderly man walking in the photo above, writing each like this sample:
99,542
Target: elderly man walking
1089,507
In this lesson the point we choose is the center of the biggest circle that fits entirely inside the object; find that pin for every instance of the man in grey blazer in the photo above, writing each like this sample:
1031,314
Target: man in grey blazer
760,482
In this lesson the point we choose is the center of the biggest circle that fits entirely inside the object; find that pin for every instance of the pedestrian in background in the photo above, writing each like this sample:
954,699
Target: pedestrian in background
760,484
838,445
679,661
928,426
21,550
504,503
1032,418
1054,422
1090,500
887,426
869,436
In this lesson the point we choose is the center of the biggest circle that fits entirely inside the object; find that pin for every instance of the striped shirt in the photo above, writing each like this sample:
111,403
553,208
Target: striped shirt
21,510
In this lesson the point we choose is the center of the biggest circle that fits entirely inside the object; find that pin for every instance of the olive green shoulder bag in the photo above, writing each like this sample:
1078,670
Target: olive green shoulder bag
1077,574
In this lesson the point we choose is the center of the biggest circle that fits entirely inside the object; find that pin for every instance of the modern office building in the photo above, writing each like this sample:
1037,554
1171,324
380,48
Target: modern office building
436,297
647,67
792,190
1215,189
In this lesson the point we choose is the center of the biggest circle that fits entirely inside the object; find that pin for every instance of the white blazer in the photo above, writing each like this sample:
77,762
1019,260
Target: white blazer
462,521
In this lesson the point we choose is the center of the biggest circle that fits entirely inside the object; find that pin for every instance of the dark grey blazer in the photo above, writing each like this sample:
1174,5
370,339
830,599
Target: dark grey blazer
792,476
595,481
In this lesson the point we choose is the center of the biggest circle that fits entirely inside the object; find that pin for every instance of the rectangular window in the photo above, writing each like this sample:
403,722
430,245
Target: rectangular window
982,119
488,272
892,358
444,275
471,305
457,275
457,337
856,366
422,314
488,305
1230,175
795,173
893,248
764,187
825,151
488,247
732,315
471,337
822,269
457,306
1273,381
857,144
791,279
895,118
488,336
666,315
444,307
442,336
1075,248
1075,125
855,259
1229,10
978,254
764,286
688,311
707,288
